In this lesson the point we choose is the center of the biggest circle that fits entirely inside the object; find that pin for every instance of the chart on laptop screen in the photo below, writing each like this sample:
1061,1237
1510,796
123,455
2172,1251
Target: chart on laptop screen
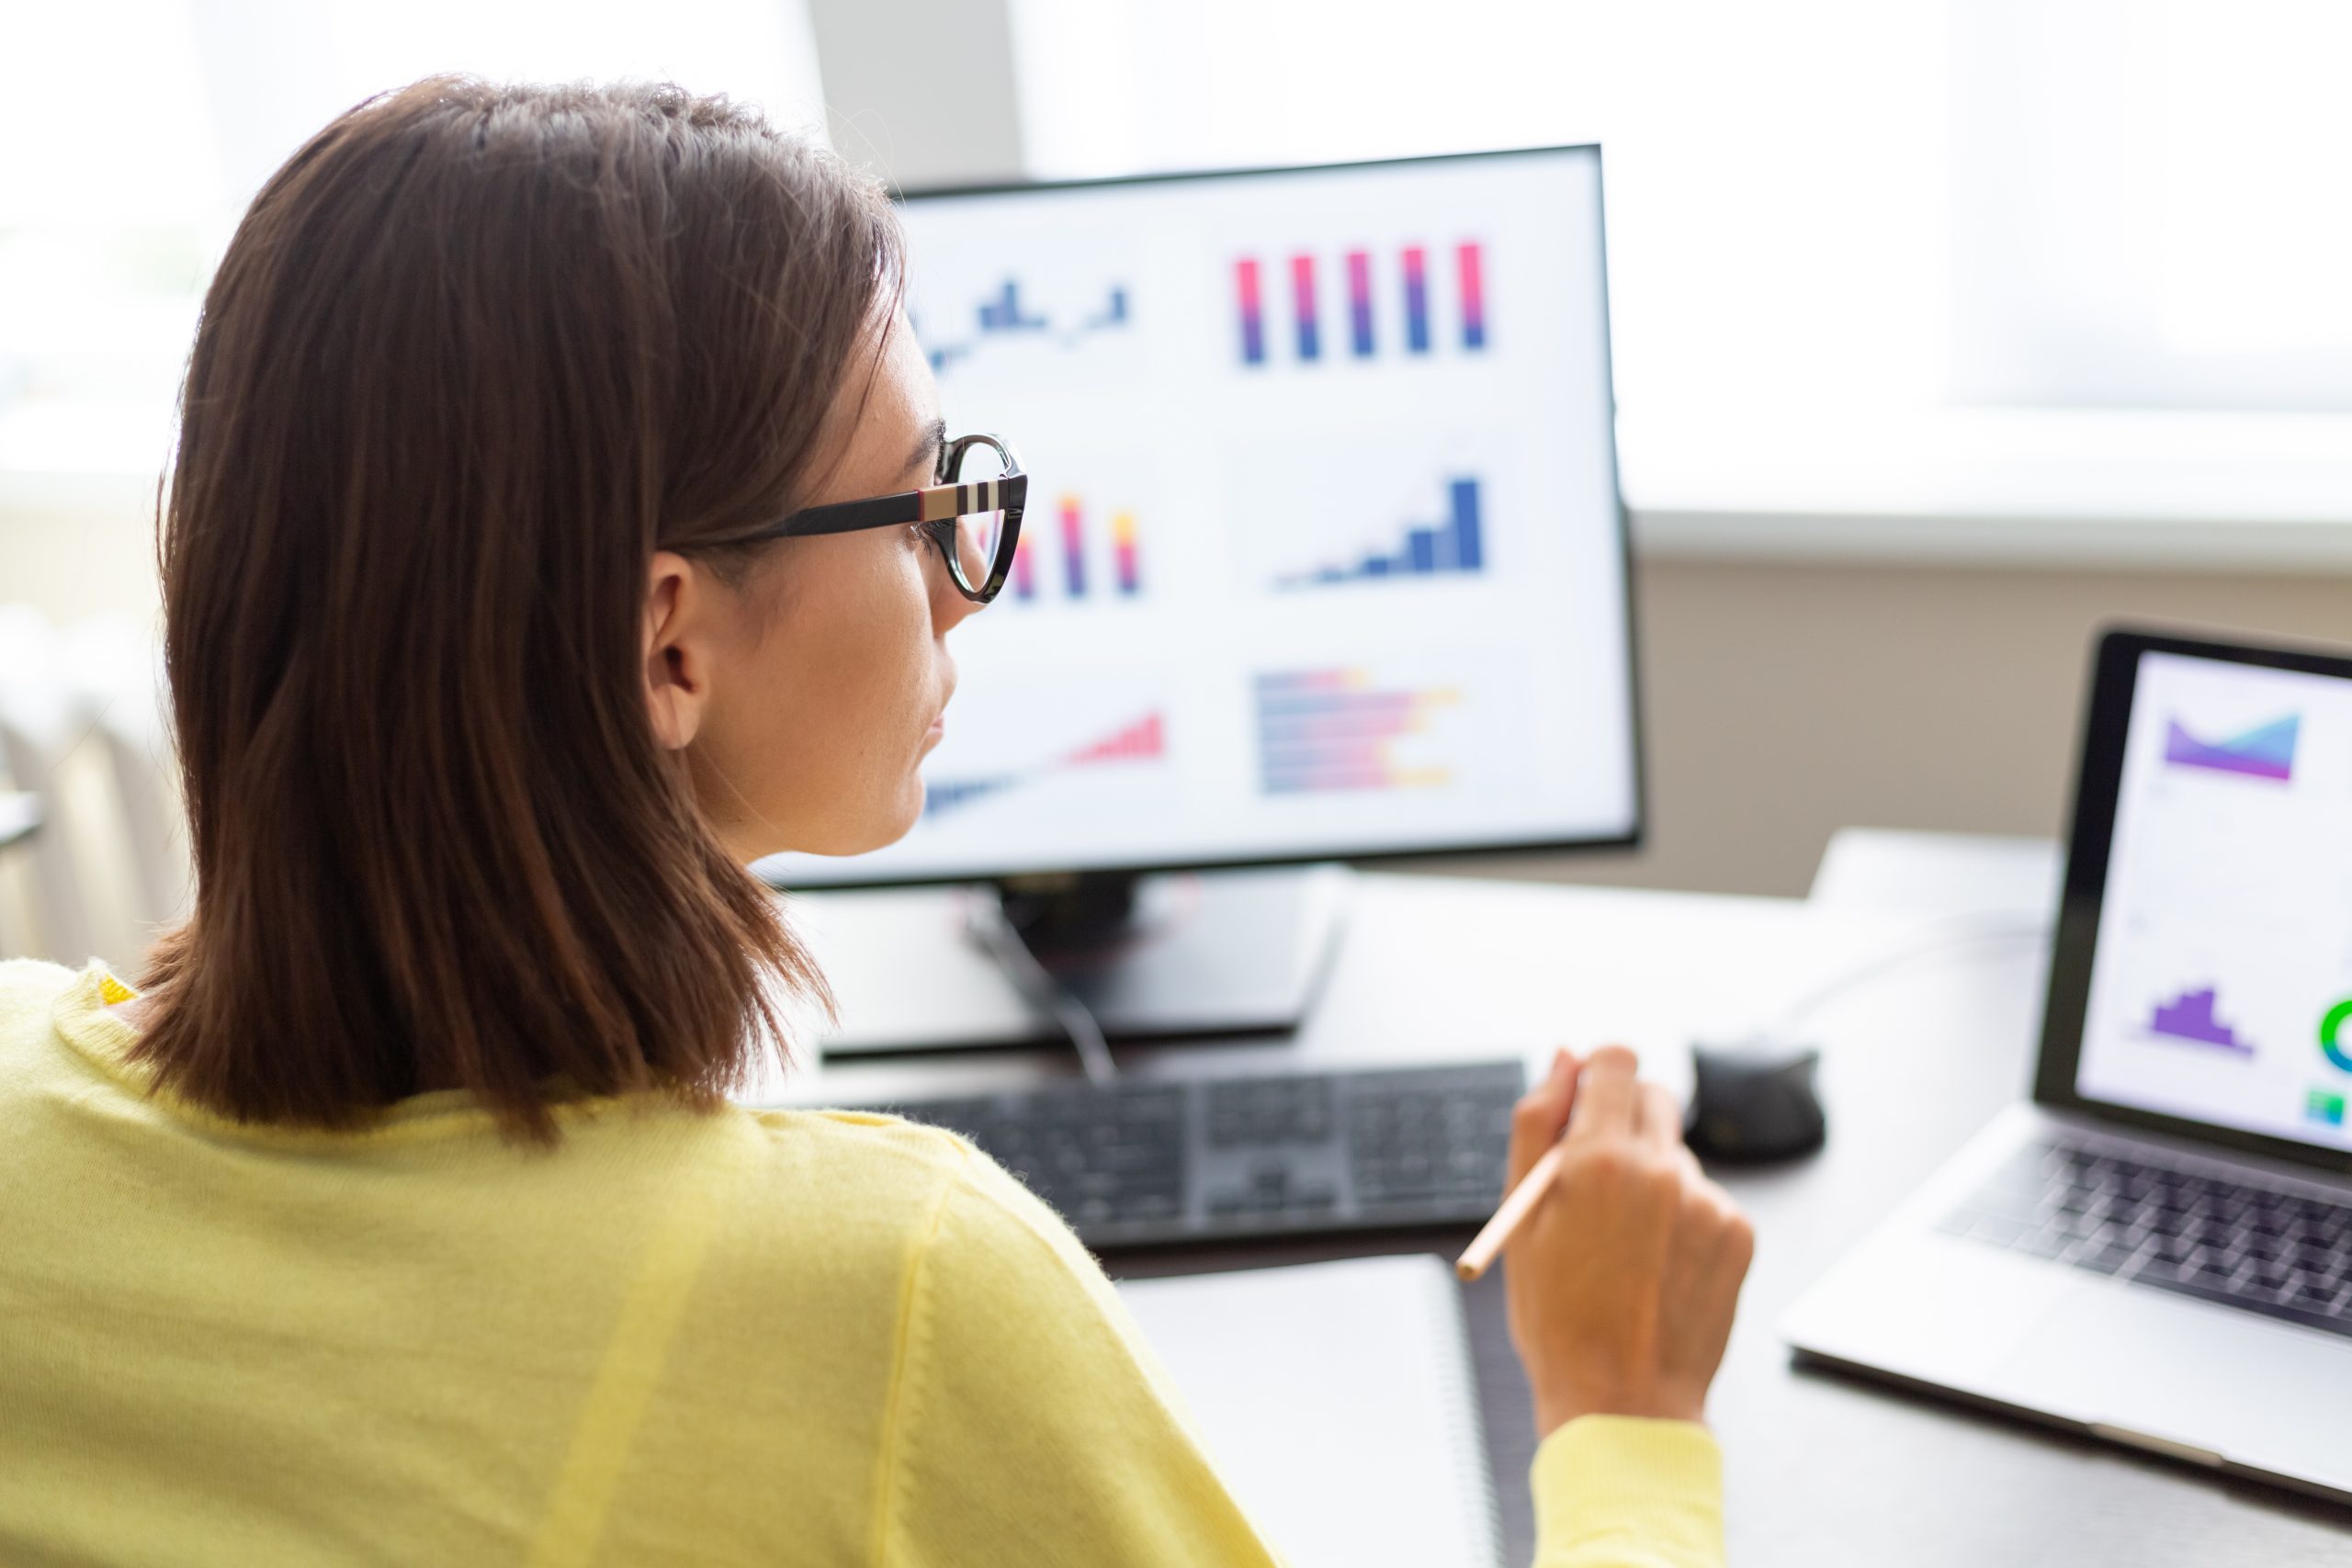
2221,988
1322,552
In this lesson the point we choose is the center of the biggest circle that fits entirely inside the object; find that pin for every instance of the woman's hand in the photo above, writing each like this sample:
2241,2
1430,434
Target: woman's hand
1622,1283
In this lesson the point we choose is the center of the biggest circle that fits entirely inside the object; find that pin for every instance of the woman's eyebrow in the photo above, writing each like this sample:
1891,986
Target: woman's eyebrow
927,450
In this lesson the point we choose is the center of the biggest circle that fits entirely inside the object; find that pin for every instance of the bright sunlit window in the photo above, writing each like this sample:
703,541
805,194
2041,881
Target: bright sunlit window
2065,258
117,191
1960,259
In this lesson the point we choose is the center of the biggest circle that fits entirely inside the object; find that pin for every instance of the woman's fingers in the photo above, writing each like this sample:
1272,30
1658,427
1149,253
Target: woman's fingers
1657,1117
1605,1098
1541,1112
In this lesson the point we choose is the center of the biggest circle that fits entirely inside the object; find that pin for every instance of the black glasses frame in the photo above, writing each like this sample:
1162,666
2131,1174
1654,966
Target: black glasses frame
937,509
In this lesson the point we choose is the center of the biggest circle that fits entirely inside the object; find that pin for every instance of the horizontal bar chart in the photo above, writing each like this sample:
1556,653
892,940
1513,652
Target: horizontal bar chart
1324,730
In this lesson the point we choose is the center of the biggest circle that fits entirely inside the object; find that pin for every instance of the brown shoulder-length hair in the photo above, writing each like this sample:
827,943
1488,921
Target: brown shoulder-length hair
473,355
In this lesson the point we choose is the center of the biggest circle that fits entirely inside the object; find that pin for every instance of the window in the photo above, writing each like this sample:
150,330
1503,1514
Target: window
1984,259
141,127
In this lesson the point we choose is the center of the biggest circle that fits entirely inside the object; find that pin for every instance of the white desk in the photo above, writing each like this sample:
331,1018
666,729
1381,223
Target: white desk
1822,1470
1427,969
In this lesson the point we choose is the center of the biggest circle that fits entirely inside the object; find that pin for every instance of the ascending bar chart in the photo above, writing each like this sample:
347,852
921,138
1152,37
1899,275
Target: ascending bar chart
1322,730
1413,296
1074,537
1454,545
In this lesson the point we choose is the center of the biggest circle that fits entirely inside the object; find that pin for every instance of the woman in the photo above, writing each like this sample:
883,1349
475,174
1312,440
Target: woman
401,1216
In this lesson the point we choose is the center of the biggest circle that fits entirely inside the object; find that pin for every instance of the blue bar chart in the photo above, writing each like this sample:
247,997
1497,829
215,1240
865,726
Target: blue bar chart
1006,315
1453,547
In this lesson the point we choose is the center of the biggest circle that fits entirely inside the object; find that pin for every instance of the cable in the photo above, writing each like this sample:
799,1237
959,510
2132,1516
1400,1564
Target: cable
985,924
1812,1002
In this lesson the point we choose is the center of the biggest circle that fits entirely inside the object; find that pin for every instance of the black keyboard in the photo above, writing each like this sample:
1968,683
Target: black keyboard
2283,1254
1137,1163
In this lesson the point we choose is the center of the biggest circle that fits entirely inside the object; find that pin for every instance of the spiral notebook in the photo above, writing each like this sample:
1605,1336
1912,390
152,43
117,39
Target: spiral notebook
1337,1401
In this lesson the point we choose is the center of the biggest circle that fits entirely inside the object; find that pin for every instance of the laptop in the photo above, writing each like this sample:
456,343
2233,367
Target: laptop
2157,1248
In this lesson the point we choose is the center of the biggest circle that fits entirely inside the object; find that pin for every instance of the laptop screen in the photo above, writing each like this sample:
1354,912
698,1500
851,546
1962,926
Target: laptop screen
2221,990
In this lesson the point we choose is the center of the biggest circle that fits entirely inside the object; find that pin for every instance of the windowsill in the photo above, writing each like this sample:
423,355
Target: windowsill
2060,489
2156,489
2149,544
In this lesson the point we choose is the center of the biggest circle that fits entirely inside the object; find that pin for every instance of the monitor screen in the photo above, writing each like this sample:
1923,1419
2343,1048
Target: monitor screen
1323,555
2221,989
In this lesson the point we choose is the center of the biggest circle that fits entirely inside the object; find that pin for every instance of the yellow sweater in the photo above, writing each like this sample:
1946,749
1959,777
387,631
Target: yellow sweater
744,1337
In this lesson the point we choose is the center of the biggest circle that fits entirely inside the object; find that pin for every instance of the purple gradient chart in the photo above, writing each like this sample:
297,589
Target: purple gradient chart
2265,753
2190,1017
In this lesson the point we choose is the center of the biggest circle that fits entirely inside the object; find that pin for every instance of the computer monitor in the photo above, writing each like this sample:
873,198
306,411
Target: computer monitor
1324,557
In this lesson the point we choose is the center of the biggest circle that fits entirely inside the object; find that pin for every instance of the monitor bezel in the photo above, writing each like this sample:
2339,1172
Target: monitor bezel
1636,834
2115,667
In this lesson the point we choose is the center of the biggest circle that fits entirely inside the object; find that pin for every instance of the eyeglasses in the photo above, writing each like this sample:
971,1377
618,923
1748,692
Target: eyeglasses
973,515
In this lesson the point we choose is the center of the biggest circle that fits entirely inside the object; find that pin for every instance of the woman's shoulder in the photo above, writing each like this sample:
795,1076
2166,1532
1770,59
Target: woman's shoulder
883,1173
30,982
862,1163
30,989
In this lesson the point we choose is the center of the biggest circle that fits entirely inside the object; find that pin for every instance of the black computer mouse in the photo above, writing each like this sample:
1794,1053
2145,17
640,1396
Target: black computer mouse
1756,1100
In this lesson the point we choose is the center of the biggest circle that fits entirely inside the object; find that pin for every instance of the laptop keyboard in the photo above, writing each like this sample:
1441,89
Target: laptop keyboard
2284,1254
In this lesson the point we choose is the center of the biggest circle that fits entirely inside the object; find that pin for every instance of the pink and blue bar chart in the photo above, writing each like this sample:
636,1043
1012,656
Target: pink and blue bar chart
1360,303
1302,296
1470,272
1417,299
1253,312
1417,304
1457,545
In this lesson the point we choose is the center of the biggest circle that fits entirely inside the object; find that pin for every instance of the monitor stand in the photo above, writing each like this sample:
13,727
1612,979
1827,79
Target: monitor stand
1195,953
1185,952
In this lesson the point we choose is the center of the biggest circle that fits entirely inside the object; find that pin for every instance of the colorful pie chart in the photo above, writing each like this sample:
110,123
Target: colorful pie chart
2331,1030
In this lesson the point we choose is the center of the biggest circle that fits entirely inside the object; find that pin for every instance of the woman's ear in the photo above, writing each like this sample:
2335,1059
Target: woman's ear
677,649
